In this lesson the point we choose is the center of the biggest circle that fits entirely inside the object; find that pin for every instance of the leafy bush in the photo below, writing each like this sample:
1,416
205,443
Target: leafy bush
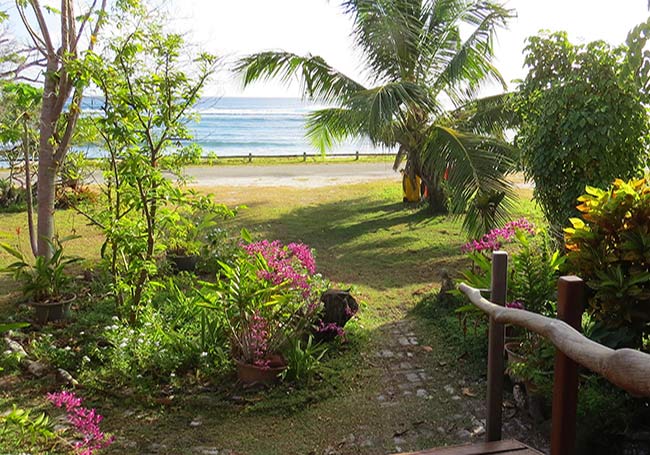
608,247
269,298
534,265
13,198
174,336
582,121
45,278
303,359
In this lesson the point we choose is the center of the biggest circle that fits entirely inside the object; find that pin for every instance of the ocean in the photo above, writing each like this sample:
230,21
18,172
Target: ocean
257,126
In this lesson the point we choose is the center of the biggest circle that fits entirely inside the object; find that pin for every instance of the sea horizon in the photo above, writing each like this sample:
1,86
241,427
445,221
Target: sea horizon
242,126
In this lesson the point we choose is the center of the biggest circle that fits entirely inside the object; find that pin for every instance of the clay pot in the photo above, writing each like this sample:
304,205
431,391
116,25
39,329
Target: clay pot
183,263
253,374
53,311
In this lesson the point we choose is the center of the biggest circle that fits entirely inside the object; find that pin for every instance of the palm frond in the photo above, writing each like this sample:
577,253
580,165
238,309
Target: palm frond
389,34
491,115
327,127
318,79
476,167
470,65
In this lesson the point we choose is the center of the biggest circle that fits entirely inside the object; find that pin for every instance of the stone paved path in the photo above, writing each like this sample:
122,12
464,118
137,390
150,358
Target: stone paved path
401,357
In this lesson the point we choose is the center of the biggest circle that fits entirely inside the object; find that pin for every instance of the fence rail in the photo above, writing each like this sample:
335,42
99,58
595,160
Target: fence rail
628,369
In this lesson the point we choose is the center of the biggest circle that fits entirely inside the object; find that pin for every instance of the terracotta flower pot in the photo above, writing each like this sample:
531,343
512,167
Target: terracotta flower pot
53,311
253,374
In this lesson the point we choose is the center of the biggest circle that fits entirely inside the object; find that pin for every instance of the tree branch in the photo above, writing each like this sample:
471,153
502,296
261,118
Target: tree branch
628,369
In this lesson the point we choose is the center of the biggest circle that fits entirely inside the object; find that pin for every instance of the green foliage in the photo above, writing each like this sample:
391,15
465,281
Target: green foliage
190,226
303,360
418,62
534,270
45,278
148,94
174,336
582,121
534,273
22,430
608,247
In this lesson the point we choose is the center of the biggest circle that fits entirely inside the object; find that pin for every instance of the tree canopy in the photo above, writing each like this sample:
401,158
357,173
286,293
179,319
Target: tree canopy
426,61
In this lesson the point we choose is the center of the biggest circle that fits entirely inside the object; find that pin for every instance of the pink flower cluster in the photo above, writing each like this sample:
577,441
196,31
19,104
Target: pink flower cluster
291,264
330,327
516,304
495,238
85,421
257,340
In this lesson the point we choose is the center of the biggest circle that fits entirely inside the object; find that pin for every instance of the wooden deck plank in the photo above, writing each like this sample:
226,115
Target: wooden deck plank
481,448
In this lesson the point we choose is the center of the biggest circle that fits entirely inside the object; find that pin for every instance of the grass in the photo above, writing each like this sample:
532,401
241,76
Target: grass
391,254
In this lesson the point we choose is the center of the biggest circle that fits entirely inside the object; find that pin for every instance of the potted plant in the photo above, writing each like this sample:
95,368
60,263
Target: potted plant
44,281
269,298
187,233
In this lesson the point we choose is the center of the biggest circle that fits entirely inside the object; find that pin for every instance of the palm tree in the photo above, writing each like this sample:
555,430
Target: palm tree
425,60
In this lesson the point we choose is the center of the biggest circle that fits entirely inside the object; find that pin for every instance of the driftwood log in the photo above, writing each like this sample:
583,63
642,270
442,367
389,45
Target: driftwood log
628,369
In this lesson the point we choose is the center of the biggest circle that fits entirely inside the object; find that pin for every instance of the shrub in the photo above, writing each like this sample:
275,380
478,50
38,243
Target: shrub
608,247
582,121
269,298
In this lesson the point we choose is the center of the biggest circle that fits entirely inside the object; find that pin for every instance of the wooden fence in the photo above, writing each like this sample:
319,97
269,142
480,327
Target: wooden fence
628,369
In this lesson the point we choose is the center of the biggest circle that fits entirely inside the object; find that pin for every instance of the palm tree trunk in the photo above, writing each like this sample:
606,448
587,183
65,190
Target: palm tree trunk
437,198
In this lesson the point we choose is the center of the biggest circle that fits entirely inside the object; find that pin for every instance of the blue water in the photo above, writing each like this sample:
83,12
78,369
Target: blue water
260,126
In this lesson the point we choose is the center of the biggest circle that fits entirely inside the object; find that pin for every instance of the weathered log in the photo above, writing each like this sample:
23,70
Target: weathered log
628,369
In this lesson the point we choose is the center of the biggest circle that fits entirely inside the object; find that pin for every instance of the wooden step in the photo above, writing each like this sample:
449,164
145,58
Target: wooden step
482,448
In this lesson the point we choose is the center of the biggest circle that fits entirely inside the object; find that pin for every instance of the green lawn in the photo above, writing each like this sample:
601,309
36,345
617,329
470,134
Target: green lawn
392,255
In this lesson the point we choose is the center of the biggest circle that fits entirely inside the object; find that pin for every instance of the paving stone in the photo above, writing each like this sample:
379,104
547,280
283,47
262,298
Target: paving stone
449,389
403,341
407,393
422,393
409,354
413,341
406,366
456,398
381,398
423,375
413,377
207,450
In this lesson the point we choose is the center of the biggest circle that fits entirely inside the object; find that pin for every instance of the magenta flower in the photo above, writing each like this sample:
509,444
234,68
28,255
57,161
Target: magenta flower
516,304
292,264
494,239
85,421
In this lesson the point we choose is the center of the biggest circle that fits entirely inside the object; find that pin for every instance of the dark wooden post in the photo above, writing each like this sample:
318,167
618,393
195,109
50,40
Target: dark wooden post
250,157
499,289
570,306
357,155
304,156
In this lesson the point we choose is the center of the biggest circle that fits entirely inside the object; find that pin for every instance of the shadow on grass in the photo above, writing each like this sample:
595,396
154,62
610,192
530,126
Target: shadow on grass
370,242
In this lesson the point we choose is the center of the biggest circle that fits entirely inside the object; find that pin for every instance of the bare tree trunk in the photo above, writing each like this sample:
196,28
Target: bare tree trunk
28,188
47,167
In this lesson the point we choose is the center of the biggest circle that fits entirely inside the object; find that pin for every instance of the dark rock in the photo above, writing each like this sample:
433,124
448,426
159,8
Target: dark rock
338,308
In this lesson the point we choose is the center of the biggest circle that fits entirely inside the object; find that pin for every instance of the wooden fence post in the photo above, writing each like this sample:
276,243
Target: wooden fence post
250,157
570,306
499,290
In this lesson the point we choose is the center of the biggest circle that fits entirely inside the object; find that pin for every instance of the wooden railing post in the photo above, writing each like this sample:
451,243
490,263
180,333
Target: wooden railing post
499,289
570,306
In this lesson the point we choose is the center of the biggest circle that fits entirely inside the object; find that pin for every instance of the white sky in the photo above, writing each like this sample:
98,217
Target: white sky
232,28
236,27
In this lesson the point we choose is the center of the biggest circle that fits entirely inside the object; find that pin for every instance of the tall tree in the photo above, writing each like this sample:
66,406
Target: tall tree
426,60
63,87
